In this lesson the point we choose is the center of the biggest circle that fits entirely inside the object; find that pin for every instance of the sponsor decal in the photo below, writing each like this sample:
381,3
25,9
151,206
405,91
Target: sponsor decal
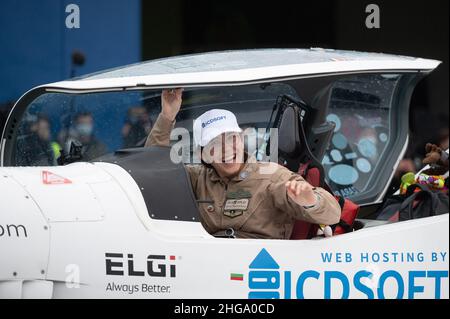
154,266
50,178
266,279
214,119
13,230
138,288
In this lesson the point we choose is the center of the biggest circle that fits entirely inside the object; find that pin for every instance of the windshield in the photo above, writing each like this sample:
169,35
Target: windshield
105,122
369,135
360,107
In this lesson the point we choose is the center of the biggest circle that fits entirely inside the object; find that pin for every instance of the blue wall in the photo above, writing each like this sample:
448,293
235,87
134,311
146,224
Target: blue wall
36,46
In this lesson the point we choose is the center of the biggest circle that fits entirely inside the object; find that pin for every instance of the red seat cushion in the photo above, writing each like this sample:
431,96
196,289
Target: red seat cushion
313,177
302,230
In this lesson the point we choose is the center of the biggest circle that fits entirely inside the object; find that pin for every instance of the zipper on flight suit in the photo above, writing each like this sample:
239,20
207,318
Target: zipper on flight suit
224,199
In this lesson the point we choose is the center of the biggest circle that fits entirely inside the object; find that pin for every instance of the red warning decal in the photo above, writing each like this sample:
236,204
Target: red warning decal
50,178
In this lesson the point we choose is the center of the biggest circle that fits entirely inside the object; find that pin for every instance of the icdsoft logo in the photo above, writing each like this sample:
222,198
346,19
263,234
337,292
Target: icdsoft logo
267,281
264,277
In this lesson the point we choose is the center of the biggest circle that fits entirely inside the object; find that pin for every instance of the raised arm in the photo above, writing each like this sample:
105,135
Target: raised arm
170,105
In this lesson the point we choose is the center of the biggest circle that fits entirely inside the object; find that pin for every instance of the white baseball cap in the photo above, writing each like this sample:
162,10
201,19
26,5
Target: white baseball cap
213,123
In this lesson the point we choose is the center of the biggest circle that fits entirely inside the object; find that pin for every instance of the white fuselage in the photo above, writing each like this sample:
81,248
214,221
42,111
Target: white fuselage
84,232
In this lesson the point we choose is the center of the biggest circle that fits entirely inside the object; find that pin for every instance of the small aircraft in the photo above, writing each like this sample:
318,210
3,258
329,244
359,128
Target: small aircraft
121,220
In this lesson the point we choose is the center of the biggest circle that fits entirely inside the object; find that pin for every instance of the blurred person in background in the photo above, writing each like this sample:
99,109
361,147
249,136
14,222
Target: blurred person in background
35,146
82,130
137,127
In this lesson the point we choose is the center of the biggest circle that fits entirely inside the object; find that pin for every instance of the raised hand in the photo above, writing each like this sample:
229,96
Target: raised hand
301,192
171,102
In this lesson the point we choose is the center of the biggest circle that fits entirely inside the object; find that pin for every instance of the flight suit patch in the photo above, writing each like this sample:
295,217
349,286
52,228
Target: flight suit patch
236,203
240,193
209,205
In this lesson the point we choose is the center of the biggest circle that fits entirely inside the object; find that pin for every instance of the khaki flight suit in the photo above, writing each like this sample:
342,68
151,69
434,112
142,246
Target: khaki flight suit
253,204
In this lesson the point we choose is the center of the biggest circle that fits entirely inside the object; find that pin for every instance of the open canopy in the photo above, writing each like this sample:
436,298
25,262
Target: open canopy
366,95
242,66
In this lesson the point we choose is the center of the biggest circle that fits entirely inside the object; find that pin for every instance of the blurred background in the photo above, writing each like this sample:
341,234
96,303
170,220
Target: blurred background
36,47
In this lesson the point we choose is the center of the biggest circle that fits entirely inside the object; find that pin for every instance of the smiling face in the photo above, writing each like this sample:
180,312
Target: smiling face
225,153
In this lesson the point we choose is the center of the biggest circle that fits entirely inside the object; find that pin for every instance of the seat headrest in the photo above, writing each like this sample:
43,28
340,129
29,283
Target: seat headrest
289,143
293,120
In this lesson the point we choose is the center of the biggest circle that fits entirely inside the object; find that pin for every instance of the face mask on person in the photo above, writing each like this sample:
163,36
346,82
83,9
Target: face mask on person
84,129
133,120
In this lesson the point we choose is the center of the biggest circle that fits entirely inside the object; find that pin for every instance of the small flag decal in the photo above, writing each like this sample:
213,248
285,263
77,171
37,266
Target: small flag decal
234,276
50,178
